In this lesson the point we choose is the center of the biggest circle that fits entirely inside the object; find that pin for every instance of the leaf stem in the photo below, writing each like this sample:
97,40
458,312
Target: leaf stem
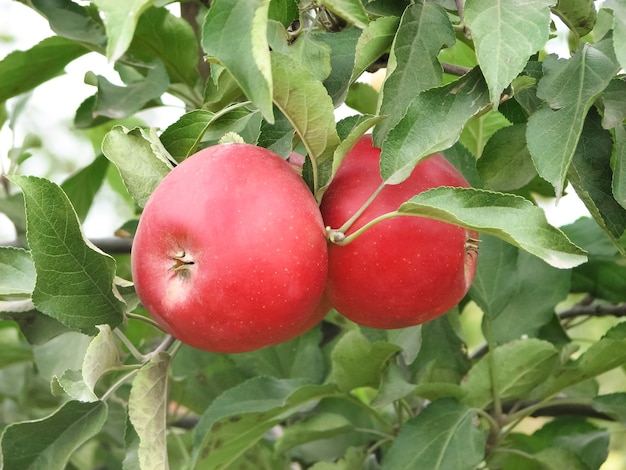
145,319
122,380
338,237
346,226
130,346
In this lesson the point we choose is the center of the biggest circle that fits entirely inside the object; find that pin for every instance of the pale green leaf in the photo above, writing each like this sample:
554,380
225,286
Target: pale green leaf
147,410
433,122
351,11
518,367
505,34
48,443
71,384
619,29
143,172
321,425
511,218
241,416
17,272
102,356
413,66
614,102
569,88
443,436
21,71
120,20
74,278
234,34
479,129
613,404
308,107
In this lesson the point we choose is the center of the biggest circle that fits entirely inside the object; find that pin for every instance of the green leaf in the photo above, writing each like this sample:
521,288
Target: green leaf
374,42
505,34
143,172
72,21
350,371
606,354
284,11
234,35
619,172
48,443
160,34
443,436
310,53
433,122
318,426
74,278
613,404
518,367
14,351
17,272
308,107
102,356
413,66
277,137
578,15
442,356
362,97
569,88
590,174
507,280
241,416
118,102
71,383
511,218
480,128
81,187
36,327
342,53
21,71
147,410
350,130
350,10
613,100
120,20
181,139
619,29
506,164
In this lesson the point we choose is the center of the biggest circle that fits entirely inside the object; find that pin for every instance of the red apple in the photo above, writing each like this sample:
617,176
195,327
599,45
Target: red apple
403,271
230,253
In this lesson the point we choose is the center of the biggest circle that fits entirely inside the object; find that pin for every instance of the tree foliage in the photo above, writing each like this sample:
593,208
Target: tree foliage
88,380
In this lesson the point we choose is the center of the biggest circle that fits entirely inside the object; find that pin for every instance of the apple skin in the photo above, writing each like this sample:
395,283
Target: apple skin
403,271
230,253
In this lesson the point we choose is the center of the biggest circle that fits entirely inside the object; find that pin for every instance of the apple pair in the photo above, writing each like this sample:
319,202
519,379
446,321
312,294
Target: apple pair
231,252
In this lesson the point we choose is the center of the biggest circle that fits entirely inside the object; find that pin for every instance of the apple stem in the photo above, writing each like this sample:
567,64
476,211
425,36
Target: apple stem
346,226
340,238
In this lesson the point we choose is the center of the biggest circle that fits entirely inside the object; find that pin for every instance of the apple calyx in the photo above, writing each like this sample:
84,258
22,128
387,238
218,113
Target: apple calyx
335,235
182,262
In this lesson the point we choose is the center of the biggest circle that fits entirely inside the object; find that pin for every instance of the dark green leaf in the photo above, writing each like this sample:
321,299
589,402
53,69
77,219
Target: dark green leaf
478,130
234,35
21,71
505,164
619,172
36,327
511,218
284,11
318,426
374,42
569,88
181,139
342,53
413,66
48,443
613,404
277,137
160,34
507,281
518,367
433,122
81,187
443,436
505,34
590,174
74,279
350,371
578,15
614,100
